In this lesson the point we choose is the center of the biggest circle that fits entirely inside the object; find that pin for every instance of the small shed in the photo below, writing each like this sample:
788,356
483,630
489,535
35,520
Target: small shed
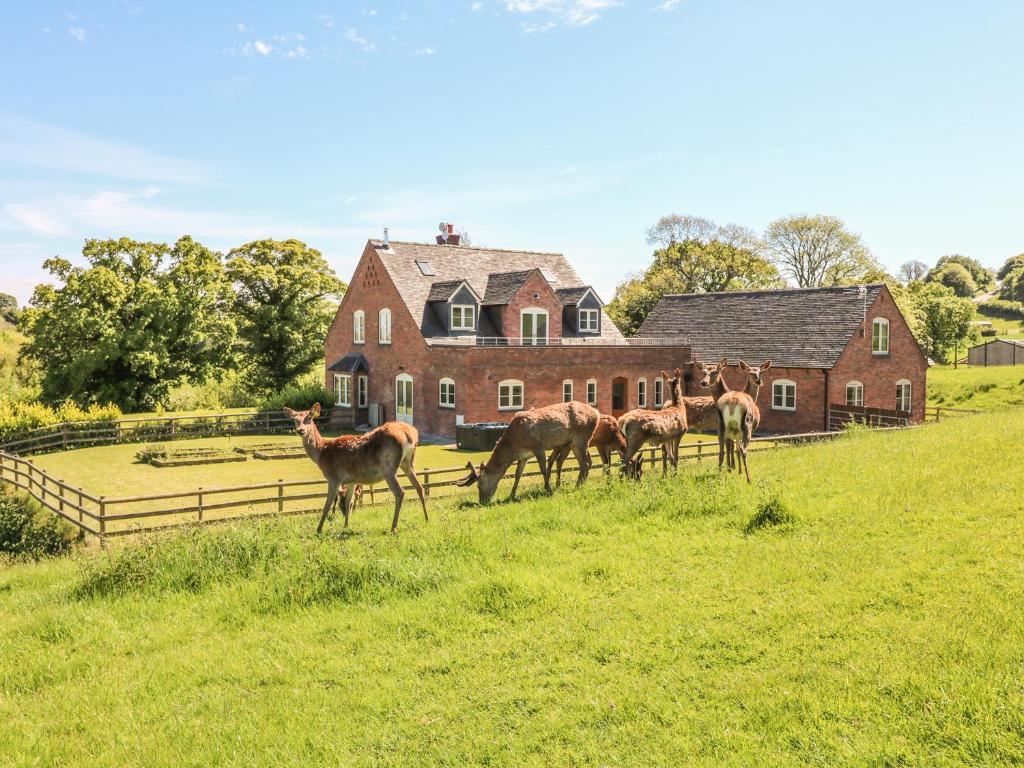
997,352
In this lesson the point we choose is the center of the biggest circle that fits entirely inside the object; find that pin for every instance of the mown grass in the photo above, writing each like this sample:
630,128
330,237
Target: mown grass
670,623
982,388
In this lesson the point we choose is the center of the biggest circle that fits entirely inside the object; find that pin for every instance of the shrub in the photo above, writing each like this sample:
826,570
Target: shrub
989,332
29,531
300,395
773,513
1009,310
16,416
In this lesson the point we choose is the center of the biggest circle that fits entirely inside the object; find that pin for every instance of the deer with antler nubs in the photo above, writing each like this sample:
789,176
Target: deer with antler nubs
350,461
739,416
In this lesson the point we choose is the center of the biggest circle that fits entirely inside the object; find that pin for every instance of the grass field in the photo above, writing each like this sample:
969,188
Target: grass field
988,388
881,623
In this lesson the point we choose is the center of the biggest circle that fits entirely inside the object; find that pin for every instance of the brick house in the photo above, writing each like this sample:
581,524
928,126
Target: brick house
441,334
829,347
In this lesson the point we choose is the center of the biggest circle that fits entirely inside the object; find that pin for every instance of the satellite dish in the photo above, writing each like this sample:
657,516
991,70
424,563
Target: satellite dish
442,227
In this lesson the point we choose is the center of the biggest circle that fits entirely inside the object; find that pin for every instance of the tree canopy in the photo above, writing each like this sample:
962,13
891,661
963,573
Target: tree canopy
981,275
956,277
281,305
942,320
913,270
1013,263
138,320
815,251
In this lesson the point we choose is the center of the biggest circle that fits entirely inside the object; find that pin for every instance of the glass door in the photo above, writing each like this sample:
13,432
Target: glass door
403,398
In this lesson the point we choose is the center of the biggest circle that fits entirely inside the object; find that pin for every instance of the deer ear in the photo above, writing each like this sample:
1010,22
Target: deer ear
469,479
664,375
723,363
677,373
744,366
315,410
766,365
288,412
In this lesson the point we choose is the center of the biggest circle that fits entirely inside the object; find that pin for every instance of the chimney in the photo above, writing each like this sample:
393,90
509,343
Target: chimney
448,234
387,240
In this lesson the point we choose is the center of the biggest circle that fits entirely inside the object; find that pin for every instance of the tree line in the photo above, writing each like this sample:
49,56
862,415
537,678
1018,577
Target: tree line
693,254
141,318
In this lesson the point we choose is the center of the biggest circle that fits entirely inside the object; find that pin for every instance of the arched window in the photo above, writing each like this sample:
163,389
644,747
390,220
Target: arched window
854,393
659,392
510,395
591,391
880,336
903,401
384,326
358,327
641,393
446,397
783,395
567,391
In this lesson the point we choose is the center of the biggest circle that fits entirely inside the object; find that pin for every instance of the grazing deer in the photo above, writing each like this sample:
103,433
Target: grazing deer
665,428
711,378
351,461
531,434
607,437
740,415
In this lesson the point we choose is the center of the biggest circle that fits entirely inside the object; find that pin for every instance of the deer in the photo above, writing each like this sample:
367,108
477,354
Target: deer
712,379
354,460
740,416
607,437
531,434
665,428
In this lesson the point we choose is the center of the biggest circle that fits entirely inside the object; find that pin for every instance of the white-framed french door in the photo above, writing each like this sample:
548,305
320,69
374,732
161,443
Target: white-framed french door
403,398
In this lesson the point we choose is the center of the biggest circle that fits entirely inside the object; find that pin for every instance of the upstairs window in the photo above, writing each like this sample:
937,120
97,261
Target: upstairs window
358,327
384,326
903,395
567,391
447,393
592,392
463,317
641,393
343,389
659,392
510,395
784,395
855,393
880,336
534,326
588,320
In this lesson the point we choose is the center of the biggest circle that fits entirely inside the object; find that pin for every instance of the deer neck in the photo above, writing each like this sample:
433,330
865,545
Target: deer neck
752,389
314,444
719,387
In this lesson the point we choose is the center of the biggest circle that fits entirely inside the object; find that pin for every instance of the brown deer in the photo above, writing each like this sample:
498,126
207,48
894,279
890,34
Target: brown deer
740,416
665,428
607,438
351,461
711,378
531,434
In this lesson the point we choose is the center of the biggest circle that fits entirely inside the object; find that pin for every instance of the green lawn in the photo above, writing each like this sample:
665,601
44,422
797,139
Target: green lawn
982,388
616,625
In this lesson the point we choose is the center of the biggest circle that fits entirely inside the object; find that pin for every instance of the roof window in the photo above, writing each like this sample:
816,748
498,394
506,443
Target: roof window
425,268
550,276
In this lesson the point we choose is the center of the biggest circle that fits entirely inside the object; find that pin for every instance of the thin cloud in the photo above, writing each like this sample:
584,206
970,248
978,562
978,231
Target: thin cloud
476,6
571,13
257,47
353,36
35,219
78,33
326,19
426,51
668,5
35,145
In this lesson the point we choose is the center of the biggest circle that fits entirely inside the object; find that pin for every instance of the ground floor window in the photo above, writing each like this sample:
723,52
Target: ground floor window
903,395
855,393
447,394
592,392
510,395
784,395
361,391
659,392
343,389
567,391
641,393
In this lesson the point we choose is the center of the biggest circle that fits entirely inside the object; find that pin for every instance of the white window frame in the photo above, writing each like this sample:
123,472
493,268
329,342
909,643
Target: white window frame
362,391
641,393
909,396
659,392
463,309
879,323
592,387
511,404
858,387
359,327
384,326
588,327
784,384
567,390
343,389
442,401
535,312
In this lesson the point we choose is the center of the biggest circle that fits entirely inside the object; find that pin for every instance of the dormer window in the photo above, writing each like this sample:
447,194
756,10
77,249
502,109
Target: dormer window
463,317
589,320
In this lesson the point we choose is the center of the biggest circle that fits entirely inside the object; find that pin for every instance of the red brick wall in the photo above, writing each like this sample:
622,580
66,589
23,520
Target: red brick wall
879,373
524,298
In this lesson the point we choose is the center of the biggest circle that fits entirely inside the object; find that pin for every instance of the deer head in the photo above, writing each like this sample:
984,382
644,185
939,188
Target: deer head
754,372
305,423
710,374
486,480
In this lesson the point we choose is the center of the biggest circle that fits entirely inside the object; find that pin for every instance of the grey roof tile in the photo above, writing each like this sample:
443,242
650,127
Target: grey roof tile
502,286
440,291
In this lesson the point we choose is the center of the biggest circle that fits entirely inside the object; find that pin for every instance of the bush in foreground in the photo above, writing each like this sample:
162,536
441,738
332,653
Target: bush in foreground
29,532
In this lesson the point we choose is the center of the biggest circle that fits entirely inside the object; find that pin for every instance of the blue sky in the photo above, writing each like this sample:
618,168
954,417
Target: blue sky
566,125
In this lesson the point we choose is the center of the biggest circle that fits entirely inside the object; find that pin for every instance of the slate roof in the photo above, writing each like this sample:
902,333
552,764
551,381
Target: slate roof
797,328
353,362
502,286
573,295
440,291
453,263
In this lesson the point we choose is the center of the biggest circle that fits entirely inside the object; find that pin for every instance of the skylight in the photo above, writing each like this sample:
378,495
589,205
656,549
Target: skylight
550,276
425,268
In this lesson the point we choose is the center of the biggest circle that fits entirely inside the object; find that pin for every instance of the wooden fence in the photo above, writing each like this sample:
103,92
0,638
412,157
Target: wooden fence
108,516
938,412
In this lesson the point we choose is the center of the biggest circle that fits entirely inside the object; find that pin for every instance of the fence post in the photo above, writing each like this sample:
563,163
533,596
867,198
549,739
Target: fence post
426,481
200,496
280,495
80,520
700,445
103,520
60,496
64,436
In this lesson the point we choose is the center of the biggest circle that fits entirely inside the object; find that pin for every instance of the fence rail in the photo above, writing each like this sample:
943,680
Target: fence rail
936,412
565,341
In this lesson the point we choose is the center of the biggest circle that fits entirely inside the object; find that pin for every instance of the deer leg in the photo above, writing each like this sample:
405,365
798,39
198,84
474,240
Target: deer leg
543,464
398,493
721,440
410,473
520,465
349,501
583,459
332,495
606,458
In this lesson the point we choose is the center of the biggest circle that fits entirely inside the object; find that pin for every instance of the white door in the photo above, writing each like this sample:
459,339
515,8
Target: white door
403,397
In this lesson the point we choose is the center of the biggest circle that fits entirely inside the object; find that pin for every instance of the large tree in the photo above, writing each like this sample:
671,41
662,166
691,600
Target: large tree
1012,288
956,277
712,258
140,319
282,291
8,308
1011,264
944,320
913,270
815,251
982,276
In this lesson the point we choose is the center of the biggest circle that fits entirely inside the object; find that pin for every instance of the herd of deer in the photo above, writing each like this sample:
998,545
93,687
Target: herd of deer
350,461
